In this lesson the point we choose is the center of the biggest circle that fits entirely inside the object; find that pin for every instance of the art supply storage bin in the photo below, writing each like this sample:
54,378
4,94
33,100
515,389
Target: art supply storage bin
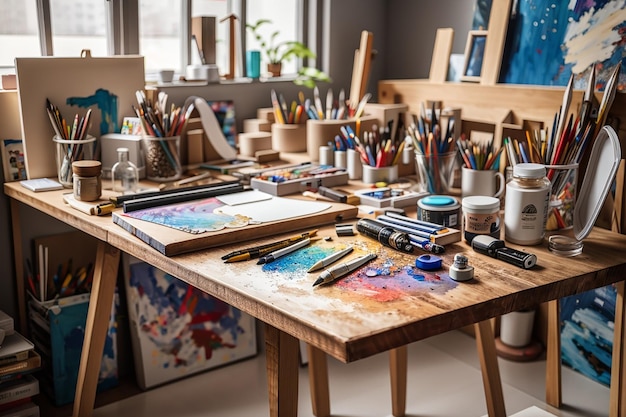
57,324
57,329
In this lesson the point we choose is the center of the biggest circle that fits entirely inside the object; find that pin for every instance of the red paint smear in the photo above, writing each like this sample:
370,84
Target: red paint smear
380,294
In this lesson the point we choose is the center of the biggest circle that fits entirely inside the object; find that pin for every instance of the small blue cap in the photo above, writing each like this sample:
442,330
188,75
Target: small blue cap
439,200
428,262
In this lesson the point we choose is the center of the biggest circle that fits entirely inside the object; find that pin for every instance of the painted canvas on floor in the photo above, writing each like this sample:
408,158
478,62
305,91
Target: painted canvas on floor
587,323
178,330
548,40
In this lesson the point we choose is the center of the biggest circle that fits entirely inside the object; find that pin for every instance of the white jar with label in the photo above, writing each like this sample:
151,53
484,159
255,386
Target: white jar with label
526,204
481,216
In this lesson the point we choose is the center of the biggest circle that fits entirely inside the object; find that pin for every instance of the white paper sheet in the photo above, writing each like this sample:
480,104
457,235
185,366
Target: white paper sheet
276,208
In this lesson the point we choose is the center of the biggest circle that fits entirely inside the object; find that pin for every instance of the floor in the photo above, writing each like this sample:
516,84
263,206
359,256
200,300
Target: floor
444,380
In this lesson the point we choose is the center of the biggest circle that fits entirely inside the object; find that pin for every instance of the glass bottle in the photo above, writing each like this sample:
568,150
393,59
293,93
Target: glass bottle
526,204
124,173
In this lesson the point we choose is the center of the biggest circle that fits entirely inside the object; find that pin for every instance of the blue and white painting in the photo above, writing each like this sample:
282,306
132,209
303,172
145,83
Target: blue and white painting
549,40
587,326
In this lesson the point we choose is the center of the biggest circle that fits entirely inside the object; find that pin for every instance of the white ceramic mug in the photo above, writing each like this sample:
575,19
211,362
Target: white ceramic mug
481,182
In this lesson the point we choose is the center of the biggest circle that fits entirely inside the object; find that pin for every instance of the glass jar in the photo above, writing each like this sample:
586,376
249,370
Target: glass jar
526,204
124,174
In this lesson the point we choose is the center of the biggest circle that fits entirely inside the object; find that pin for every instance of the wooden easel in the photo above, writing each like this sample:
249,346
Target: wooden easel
231,46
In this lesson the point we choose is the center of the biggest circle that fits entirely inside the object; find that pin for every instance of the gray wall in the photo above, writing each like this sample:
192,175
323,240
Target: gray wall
404,33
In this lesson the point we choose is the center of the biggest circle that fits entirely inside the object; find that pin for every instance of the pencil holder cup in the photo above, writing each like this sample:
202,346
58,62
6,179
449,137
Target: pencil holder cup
487,182
289,137
372,175
434,172
321,132
162,157
68,151
563,180
251,142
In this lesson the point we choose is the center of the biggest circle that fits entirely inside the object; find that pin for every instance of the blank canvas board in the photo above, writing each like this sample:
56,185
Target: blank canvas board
107,85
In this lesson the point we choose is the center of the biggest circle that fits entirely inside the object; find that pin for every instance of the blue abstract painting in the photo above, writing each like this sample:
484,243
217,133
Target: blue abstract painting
549,40
178,330
587,323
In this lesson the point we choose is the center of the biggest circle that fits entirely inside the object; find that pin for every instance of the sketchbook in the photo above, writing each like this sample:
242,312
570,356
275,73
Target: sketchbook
201,224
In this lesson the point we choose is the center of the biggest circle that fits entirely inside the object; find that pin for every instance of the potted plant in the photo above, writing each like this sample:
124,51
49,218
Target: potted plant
278,52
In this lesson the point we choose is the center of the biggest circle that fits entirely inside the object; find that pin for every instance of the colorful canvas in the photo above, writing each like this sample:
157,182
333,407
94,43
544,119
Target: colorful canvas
13,160
587,323
195,217
229,211
225,114
548,41
178,330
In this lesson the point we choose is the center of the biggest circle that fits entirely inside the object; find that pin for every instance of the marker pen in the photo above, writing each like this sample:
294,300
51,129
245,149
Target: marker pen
386,235
332,194
496,248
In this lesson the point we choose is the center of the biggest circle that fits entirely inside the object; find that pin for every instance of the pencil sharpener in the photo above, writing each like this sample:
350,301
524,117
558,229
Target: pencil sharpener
428,262
460,270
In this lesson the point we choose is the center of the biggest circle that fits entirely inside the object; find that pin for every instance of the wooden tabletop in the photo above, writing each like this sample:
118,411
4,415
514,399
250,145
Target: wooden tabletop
363,314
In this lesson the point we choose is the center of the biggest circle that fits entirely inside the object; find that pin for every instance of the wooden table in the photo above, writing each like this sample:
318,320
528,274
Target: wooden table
350,320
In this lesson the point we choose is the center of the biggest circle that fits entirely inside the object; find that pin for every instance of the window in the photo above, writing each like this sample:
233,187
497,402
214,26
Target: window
156,29
218,9
78,25
284,18
18,32
160,34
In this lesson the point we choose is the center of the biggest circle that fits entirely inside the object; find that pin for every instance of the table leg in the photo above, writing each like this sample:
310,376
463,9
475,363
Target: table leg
282,372
486,345
318,382
398,364
553,356
98,316
18,257
618,396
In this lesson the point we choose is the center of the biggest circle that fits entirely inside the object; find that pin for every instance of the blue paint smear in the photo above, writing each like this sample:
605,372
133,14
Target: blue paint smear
106,103
299,261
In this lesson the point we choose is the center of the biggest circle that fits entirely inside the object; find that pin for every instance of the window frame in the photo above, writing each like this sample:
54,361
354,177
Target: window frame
122,31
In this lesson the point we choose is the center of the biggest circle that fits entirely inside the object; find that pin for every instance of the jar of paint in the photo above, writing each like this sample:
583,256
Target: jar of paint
439,209
481,216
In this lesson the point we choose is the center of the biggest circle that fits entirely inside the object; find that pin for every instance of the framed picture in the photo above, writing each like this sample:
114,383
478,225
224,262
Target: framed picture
178,330
474,53
13,160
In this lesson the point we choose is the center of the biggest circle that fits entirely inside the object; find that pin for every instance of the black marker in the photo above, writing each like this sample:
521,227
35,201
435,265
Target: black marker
496,248
386,235
332,194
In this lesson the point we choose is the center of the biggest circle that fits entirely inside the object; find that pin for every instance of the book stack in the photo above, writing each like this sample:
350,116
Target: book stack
18,360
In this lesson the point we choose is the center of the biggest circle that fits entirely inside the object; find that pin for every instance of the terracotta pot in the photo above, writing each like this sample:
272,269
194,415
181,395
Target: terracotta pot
274,69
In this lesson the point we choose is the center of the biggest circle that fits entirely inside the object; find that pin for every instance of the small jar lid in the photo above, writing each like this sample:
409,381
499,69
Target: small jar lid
480,203
565,246
529,170
87,168
438,201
